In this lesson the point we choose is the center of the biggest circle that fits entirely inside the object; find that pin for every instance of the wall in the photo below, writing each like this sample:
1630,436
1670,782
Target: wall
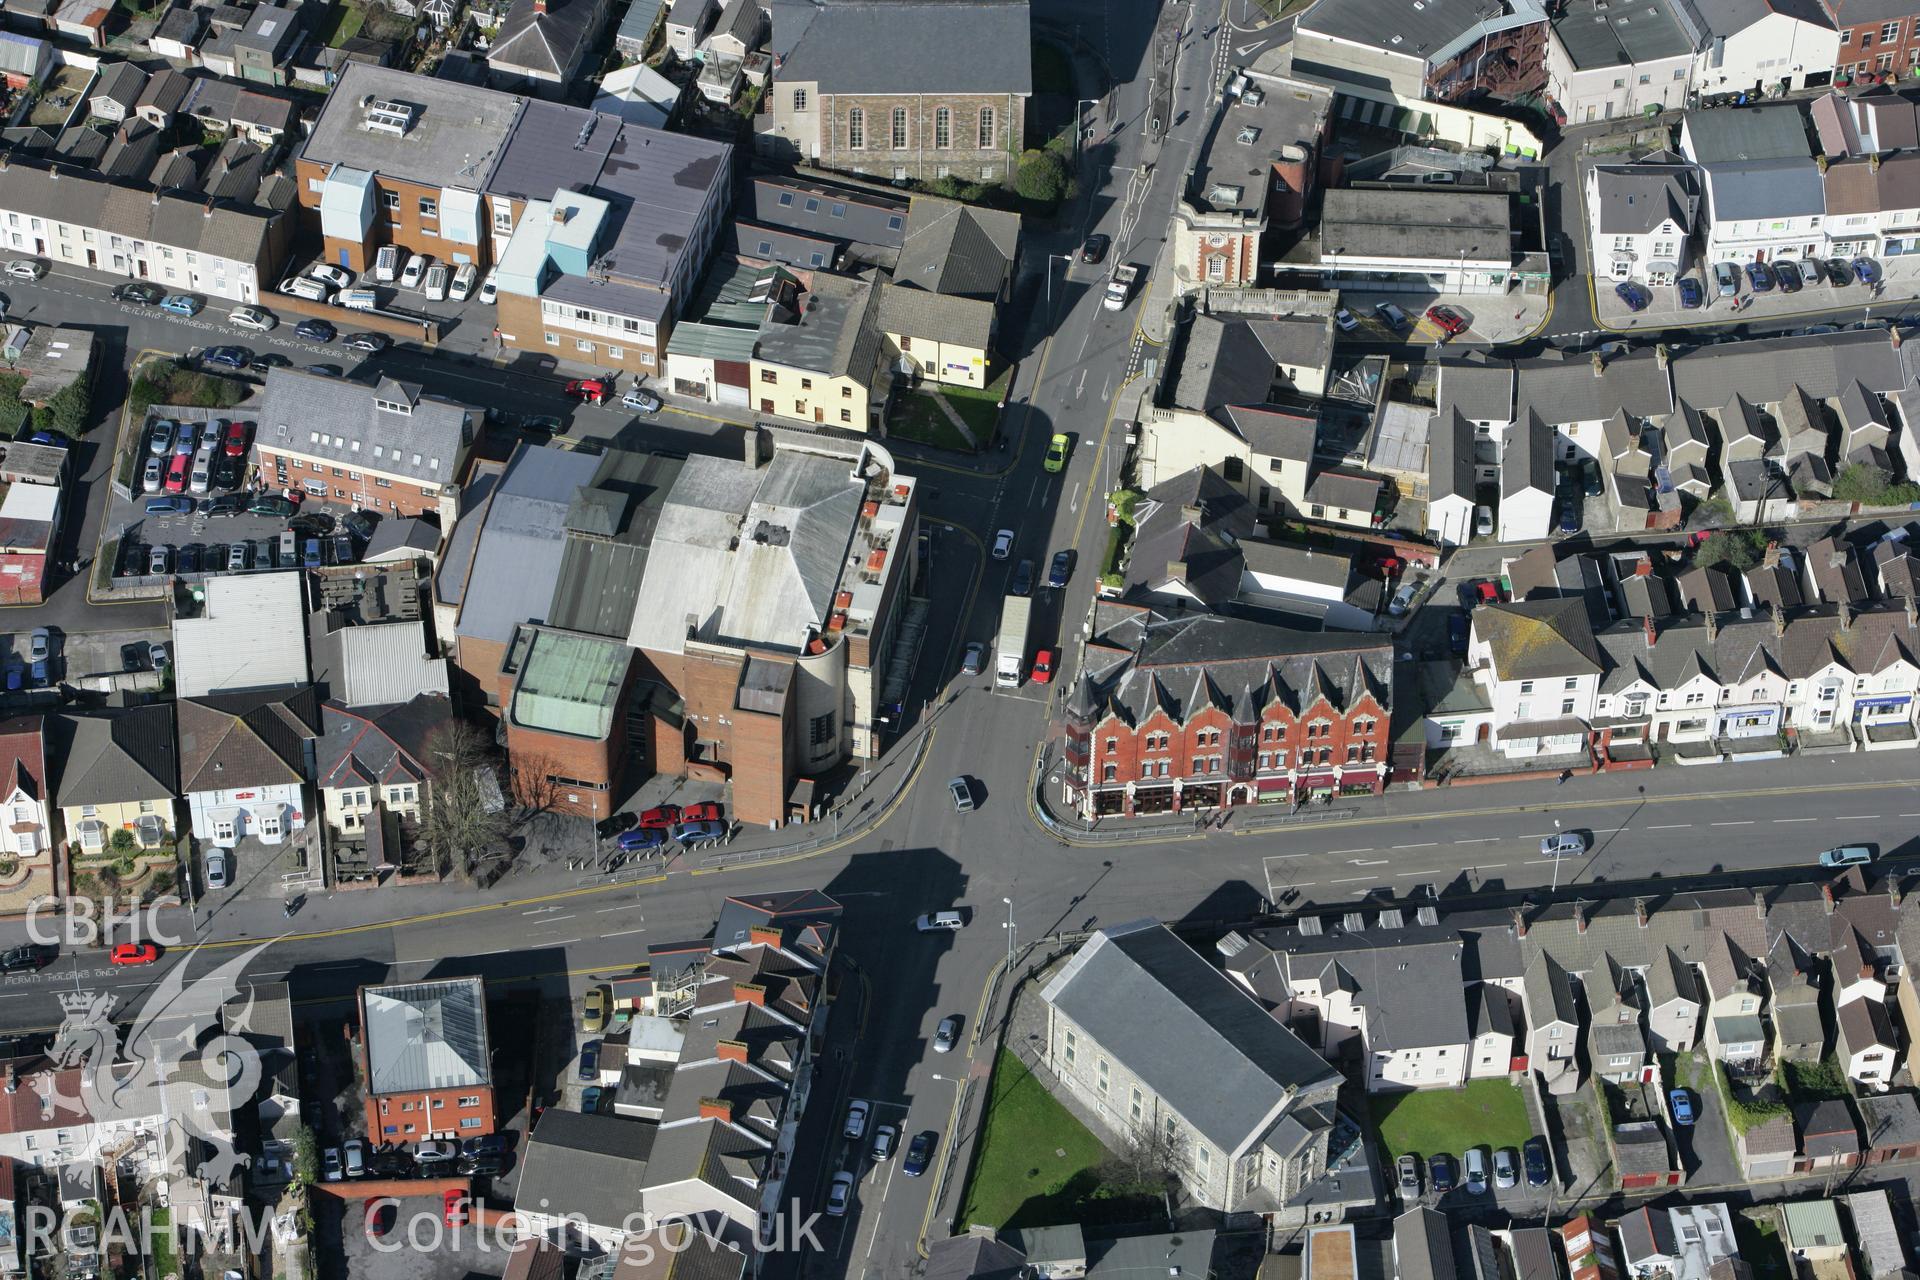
390,1120
1775,48
524,327
283,804
921,157
810,397
1862,48
403,226
1609,93
312,475
944,362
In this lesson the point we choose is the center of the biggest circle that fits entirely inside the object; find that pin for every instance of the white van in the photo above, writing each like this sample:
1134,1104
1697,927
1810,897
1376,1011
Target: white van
306,287
360,300
386,264
288,553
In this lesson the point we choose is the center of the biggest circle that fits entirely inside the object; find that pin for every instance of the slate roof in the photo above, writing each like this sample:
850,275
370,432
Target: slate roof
1410,980
235,740
378,746
1480,389
86,198
1422,1245
1756,133
1538,639
1765,370
952,248
340,422
1166,531
592,1165
1636,198
966,322
1234,360
1566,390
1872,640
112,757
905,46
1186,1031
544,41
1826,1128
1863,1025
1139,660
1450,468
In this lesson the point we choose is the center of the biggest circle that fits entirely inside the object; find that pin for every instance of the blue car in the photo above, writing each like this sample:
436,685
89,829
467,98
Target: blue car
181,304
1682,1107
1689,291
47,438
1866,270
173,505
310,554
1570,516
590,1099
1633,295
40,673
16,677
1457,632
920,1153
315,330
641,839
228,357
590,1060
1760,277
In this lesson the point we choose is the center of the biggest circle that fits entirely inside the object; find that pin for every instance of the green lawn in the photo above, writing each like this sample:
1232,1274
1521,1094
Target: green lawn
979,409
1035,1165
162,1242
343,24
917,417
1486,1113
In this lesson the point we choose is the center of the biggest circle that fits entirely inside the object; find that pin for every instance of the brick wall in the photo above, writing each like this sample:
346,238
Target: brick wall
523,328
922,157
750,747
1864,46
286,468
591,766
1238,253
403,226
432,1111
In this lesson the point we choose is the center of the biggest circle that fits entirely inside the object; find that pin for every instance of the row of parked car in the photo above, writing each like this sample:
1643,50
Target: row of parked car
665,824
1789,275
1443,1174
484,1157
195,457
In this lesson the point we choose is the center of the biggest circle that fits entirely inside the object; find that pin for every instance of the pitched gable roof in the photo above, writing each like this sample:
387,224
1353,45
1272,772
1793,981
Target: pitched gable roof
245,739
1539,638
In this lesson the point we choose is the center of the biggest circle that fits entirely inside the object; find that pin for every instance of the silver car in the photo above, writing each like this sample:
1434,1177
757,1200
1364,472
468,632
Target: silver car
947,1034
1563,844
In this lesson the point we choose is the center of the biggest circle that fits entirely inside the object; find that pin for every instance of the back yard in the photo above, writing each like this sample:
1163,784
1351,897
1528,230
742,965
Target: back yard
1487,1113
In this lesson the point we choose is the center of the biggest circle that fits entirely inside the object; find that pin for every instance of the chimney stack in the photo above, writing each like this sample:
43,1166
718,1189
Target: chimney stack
1770,559
1779,620
1643,568
1640,911
1652,635
731,1051
764,935
1913,612
1895,894
1893,335
13,1078
1846,615
750,993
1519,922
1192,514
716,1109
1579,917
1599,365
1826,896
539,6
1760,903
1713,625
1177,570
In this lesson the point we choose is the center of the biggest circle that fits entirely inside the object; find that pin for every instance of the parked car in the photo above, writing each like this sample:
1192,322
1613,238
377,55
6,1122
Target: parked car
661,816
589,390
340,549
25,958
1847,855
1569,521
1633,295
703,811
464,278
153,475
590,1099
1690,293
691,833
373,343
1534,1155
330,275
1441,1174
133,953
160,560
1682,1106
181,304
254,318
1459,631
919,1153
1344,319
1409,1167
1003,544
330,1170
179,472
315,330
233,439
1866,270
169,506
326,370
189,557
1476,1169
1788,275
1506,1168
226,505
857,1113
1056,459
640,840
1392,316
270,360
453,1205
381,1213
590,1060
1590,482
416,267
239,557
1727,277
26,268
1043,667
1060,569
939,922
973,659
1403,598
1759,277
595,1008
840,1194
227,357
386,264
1451,322
1483,521
640,400
140,293
884,1139
272,504
490,287
1095,249
310,557
160,438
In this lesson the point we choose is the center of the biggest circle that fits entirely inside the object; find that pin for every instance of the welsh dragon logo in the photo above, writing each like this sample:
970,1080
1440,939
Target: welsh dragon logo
179,1032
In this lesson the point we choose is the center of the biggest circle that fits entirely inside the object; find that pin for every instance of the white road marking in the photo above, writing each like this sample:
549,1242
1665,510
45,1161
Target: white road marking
624,932
1353,880
1811,819
1335,852
1671,826
1856,817
1481,840
1427,845
1744,822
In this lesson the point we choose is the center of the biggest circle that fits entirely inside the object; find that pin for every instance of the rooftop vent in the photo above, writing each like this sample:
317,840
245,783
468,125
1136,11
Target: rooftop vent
586,132
1248,135
384,115
1254,96
1222,193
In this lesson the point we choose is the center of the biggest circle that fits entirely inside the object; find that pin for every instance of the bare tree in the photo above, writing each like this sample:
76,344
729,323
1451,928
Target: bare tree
1148,1156
534,784
463,819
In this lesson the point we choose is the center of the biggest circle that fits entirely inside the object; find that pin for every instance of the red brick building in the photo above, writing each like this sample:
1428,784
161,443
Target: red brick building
1879,39
1173,713
387,447
426,1059
565,697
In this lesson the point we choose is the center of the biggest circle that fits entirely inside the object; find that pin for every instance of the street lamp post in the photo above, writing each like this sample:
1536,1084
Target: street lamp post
1009,927
1063,257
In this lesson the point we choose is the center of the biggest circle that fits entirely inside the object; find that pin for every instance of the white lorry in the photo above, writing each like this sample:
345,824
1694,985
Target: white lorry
1010,650
1120,286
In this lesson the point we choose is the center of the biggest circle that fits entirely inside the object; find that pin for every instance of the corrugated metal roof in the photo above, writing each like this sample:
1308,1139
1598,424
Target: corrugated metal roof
426,1035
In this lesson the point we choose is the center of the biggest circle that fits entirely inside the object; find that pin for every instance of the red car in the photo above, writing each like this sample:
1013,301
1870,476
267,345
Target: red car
1043,667
1489,592
133,953
705,811
594,390
178,472
454,1205
234,440
380,1215
1448,319
665,815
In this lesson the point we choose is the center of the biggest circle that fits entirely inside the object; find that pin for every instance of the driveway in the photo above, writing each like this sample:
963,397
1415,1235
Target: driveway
1706,1145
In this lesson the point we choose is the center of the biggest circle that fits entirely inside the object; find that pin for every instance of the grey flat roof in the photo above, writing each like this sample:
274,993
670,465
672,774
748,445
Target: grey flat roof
1597,35
1416,225
1247,138
1413,30
454,141
1745,133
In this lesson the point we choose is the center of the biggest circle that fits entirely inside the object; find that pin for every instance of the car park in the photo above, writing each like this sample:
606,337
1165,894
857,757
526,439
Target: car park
919,1153
26,268
315,330
464,278
1690,293
1682,1105
1392,316
1043,666
140,293
962,792
1788,276
1534,1155
1450,321
840,1194
372,343
1634,296
181,304
1003,544
857,1113
1506,1168
1056,460
947,1034
641,400
434,285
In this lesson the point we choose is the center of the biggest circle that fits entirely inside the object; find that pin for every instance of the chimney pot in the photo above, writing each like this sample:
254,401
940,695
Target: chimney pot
731,1051
1644,569
1826,896
1519,923
764,935
1640,911
1580,918
750,993
1652,635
